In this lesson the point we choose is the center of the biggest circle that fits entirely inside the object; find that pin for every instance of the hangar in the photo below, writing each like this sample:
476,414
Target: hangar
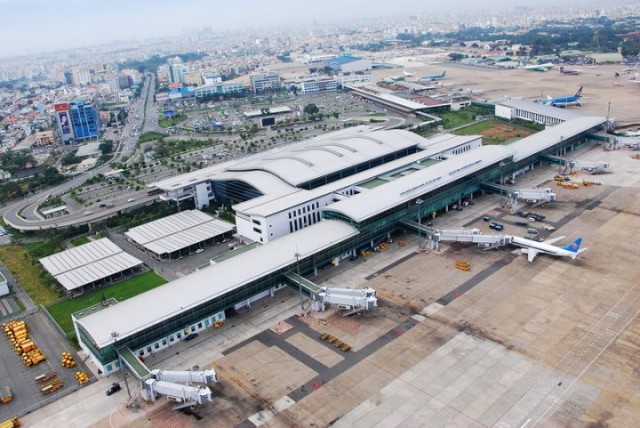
350,223
90,266
182,233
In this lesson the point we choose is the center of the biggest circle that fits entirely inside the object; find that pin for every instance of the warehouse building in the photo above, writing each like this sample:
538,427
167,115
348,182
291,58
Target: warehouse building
91,266
179,234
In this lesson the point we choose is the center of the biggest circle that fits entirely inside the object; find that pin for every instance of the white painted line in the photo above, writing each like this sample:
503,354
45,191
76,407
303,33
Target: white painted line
431,309
283,403
258,419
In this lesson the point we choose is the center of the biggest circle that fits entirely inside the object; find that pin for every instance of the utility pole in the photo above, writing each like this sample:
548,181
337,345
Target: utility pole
419,203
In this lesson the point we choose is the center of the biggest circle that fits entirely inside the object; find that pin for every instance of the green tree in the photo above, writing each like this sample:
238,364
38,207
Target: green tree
311,108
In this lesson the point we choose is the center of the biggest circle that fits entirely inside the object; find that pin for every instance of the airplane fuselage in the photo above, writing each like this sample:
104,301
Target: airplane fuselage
541,247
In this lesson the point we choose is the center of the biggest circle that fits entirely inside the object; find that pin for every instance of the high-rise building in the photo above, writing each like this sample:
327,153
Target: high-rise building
269,81
77,121
81,76
177,72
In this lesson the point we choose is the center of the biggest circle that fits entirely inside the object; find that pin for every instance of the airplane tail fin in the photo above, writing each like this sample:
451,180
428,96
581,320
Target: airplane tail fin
574,247
579,91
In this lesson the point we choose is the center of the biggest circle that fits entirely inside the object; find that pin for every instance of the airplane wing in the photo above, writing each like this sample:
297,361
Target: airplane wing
551,241
531,254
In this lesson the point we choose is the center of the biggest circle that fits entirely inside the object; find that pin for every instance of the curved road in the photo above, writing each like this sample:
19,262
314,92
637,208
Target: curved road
23,215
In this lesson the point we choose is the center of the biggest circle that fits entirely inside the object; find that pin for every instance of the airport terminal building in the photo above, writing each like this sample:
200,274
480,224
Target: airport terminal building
312,205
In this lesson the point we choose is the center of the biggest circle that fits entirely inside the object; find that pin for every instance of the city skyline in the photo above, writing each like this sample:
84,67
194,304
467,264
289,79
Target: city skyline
37,26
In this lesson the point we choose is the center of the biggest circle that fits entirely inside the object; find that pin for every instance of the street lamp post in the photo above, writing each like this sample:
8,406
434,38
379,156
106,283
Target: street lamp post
419,202
299,278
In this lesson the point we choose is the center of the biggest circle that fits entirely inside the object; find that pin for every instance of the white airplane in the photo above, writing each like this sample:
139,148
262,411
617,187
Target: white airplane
539,67
406,73
533,248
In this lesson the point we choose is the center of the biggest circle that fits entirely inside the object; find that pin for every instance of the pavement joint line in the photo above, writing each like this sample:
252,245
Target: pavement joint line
390,266
351,359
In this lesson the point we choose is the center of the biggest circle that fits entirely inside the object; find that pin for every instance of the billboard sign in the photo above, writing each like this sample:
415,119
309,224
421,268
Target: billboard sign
62,107
65,126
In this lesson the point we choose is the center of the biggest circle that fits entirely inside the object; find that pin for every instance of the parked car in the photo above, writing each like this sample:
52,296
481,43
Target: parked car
115,387
191,336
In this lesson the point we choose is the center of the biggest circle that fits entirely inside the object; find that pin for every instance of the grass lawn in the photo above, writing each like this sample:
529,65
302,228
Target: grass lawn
30,277
80,240
120,291
478,128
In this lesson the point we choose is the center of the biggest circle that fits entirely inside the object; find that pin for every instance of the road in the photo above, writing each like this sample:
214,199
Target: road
24,215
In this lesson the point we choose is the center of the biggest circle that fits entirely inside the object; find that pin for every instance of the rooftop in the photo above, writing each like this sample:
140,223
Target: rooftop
180,295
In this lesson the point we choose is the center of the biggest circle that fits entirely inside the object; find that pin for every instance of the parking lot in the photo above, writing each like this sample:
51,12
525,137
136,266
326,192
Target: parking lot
20,378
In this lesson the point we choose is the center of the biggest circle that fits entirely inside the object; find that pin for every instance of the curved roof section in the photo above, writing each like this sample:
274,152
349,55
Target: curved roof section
316,159
280,169
375,201
154,306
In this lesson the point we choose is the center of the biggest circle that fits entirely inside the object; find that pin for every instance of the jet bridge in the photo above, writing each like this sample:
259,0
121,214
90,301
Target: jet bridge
133,363
352,299
184,395
188,377
469,235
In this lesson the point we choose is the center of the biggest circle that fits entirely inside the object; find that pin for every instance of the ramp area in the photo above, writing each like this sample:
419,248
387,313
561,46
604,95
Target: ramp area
133,363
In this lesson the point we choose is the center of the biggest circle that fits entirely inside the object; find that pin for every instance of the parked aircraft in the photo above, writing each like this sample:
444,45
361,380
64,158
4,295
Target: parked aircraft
568,72
406,73
533,248
434,77
538,67
563,101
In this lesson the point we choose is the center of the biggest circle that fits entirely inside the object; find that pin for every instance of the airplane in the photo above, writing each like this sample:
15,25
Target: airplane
539,67
533,248
563,101
406,73
636,79
434,77
569,72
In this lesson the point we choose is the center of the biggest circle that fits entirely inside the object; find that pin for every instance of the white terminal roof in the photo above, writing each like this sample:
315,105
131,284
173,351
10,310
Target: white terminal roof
267,205
265,181
535,143
539,108
178,231
321,157
135,314
88,263
376,92
368,204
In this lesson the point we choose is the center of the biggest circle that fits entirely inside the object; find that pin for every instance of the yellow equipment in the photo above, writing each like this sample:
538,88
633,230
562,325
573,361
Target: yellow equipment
10,423
67,360
82,377
5,394
463,266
